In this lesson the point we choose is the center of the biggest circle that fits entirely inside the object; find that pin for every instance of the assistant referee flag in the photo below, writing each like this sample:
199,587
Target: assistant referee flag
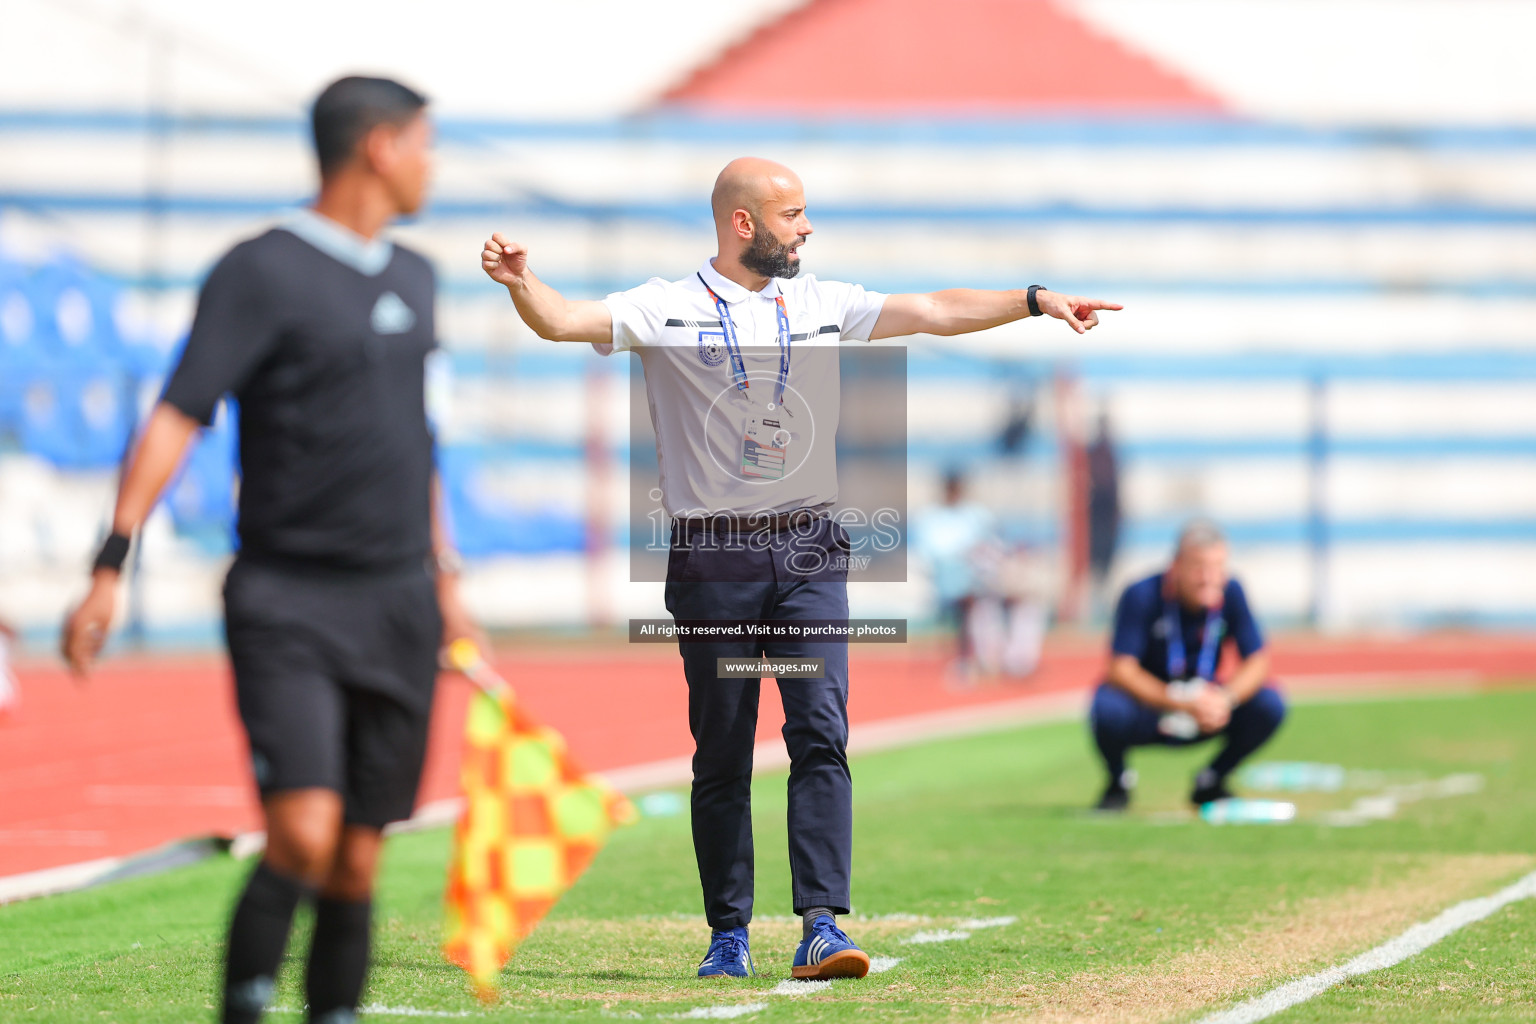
532,822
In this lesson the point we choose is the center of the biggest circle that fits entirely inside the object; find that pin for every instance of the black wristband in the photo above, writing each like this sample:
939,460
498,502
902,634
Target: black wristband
113,553
1034,305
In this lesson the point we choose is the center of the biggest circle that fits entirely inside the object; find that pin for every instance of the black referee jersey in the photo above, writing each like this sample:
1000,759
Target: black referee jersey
322,339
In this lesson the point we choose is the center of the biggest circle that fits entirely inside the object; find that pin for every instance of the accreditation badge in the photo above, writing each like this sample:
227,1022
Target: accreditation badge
764,448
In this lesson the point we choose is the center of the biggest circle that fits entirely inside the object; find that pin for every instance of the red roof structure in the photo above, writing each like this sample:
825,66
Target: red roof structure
976,57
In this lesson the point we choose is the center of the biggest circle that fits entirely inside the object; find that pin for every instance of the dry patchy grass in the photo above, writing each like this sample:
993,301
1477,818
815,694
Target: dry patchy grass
1280,944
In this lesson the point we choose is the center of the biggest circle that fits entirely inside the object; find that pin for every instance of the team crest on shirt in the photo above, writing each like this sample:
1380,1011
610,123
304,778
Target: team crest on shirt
711,347
391,315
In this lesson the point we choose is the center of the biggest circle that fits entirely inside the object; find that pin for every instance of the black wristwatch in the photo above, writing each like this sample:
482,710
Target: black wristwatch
1034,305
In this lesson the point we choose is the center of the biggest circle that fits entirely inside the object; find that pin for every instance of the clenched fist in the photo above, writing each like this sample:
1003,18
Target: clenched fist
503,261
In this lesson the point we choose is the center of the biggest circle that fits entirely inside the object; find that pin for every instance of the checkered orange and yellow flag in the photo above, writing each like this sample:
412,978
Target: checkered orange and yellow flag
532,822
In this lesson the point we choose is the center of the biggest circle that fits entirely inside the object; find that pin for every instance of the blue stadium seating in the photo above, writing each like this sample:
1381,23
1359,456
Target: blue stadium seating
75,311
483,526
16,352
17,320
74,418
66,384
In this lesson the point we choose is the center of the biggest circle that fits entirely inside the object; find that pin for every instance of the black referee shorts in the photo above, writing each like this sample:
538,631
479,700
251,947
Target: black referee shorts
334,676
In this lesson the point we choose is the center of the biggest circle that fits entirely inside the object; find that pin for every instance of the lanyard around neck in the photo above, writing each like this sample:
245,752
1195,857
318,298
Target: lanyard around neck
1210,643
733,347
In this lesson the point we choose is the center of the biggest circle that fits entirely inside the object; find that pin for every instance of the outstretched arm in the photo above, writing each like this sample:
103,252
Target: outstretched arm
155,457
963,310
551,315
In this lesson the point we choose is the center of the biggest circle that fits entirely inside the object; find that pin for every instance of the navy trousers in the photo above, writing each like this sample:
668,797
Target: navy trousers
1120,721
780,578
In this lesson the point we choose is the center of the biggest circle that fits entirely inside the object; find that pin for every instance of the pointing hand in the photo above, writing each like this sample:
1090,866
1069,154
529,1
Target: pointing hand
1081,313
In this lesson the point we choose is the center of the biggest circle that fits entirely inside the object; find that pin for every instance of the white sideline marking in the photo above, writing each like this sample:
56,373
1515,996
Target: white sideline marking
988,922
993,716
937,935
1394,951
56,880
378,1009
1384,805
720,1012
793,987
797,987
884,734
770,756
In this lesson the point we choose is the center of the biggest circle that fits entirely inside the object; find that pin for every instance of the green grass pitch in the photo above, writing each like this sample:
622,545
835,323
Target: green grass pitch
1154,916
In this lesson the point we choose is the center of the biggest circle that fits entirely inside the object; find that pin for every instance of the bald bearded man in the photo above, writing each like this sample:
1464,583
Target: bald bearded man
740,364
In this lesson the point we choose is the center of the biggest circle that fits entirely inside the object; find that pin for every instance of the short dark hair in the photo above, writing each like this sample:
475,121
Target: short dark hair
349,108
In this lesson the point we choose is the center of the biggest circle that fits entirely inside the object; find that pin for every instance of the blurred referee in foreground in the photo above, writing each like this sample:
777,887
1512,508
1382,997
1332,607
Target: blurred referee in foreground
741,362
345,585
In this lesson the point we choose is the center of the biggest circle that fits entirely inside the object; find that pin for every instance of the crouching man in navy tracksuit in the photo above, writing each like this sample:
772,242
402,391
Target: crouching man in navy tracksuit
1162,686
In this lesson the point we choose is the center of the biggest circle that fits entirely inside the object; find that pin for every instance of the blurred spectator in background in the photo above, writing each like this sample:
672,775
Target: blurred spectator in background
1162,686
1013,609
1019,427
1103,507
949,538
995,597
10,693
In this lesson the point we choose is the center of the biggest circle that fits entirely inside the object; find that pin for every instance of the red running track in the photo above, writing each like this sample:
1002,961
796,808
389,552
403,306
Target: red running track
150,750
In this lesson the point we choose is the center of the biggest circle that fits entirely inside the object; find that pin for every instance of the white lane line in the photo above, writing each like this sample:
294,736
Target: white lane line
1394,951
168,796
987,922
52,837
881,964
792,987
937,935
719,1012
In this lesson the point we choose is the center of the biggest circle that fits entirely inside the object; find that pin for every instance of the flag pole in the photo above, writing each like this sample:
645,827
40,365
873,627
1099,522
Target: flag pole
464,657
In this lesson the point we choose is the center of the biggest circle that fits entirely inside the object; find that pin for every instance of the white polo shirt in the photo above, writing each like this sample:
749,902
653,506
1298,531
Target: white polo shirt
703,421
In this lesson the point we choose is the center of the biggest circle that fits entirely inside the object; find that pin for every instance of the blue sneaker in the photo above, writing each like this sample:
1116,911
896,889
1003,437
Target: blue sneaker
828,953
728,955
